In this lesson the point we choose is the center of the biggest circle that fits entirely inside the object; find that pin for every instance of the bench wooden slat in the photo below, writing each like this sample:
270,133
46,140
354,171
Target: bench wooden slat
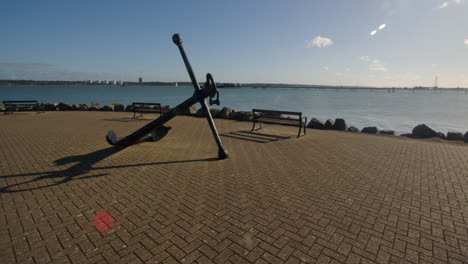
147,104
279,120
26,101
276,112
276,117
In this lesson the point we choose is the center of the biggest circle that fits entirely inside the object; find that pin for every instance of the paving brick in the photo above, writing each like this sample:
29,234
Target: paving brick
327,197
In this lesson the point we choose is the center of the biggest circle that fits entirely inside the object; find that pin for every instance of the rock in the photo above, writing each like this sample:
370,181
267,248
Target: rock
340,124
214,112
370,130
387,132
200,113
441,135
315,123
242,116
423,131
191,111
225,113
64,107
466,137
94,107
48,107
247,116
407,135
165,108
236,115
129,108
454,136
107,108
82,107
119,107
353,129
329,124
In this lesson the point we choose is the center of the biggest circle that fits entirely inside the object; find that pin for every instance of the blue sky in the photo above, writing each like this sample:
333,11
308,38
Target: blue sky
301,41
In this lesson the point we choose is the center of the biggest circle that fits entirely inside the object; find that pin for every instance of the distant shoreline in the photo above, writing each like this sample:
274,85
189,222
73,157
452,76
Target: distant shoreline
220,85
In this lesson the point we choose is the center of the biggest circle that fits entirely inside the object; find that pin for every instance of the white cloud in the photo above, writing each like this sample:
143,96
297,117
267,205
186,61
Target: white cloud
373,32
466,41
365,58
375,65
325,68
382,26
444,5
379,67
447,3
320,42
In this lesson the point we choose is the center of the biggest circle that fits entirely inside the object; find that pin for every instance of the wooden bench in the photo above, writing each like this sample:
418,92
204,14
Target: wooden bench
276,117
11,106
146,108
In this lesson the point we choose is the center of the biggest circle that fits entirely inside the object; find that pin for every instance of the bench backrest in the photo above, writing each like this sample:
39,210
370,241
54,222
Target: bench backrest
30,102
263,112
146,105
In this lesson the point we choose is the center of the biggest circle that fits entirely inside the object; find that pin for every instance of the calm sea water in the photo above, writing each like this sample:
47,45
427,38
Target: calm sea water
399,111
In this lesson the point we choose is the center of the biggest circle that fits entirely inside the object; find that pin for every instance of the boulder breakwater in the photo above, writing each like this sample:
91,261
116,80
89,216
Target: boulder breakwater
339,124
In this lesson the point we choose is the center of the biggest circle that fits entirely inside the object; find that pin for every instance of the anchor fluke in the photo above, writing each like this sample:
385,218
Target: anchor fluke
159,133
111,137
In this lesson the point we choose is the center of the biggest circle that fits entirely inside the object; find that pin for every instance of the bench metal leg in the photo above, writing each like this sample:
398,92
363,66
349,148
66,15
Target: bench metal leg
253,127
305,125
300,127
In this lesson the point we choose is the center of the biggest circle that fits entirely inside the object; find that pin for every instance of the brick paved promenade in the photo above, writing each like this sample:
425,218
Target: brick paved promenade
328,197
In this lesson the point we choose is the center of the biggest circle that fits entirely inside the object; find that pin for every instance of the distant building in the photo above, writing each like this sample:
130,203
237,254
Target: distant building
97,81
121,82
140,80
112,82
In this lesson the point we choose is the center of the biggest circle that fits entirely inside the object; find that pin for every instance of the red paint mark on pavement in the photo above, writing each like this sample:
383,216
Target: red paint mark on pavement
103,221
